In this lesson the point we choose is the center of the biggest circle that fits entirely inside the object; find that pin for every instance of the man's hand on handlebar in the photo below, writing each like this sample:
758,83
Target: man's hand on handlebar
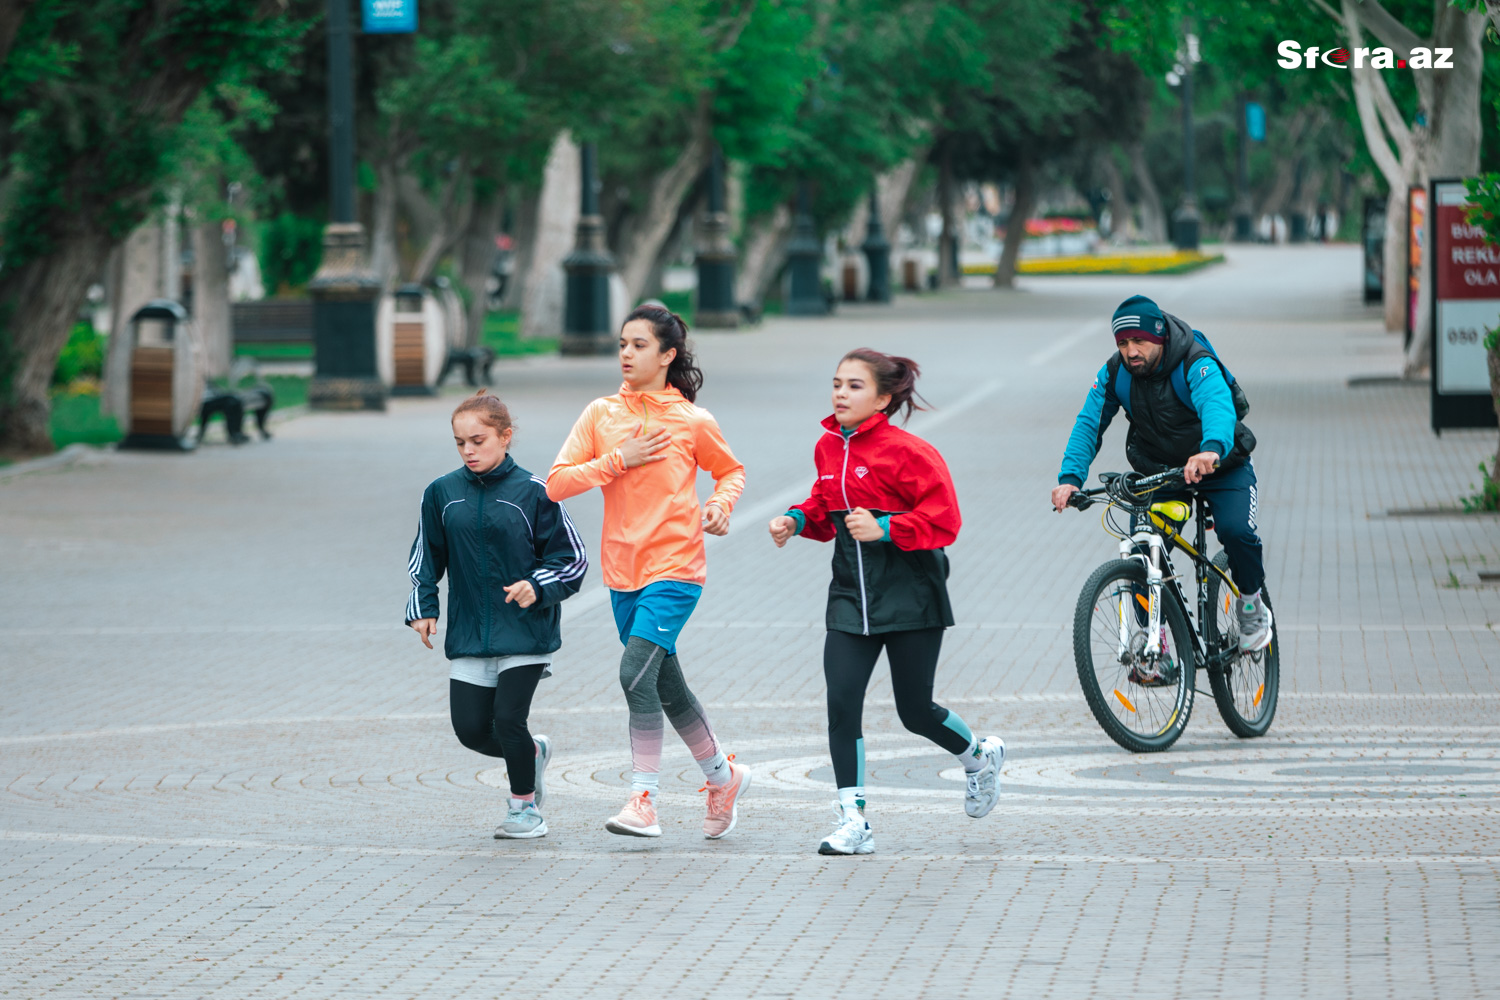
1199,466
1060,495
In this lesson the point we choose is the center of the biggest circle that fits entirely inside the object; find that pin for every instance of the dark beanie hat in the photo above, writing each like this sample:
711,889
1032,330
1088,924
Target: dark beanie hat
1139,318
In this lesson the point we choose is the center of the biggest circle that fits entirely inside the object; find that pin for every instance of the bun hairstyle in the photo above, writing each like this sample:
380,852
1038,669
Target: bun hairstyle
670,331
487,408
894,376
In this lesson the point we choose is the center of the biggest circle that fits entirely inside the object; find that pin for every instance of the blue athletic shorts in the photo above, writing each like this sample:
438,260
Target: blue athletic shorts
657,612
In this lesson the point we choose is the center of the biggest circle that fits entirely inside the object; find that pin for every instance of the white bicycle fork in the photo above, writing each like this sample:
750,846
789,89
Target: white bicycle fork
1130,549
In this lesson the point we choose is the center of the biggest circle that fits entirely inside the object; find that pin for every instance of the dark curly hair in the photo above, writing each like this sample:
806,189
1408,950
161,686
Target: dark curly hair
671,333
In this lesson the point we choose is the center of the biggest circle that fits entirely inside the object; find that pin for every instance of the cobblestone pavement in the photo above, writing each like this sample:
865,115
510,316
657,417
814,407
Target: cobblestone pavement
228,769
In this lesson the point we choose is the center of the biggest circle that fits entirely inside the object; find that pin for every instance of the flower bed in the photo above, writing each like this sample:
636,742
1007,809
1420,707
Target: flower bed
1114,262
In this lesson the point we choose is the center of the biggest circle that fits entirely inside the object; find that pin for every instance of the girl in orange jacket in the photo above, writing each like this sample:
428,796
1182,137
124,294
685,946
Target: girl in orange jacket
643,447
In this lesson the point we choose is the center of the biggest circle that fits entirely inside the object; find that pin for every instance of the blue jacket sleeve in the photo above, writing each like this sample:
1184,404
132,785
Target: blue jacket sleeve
1214,403
1099,409
561,558
428,562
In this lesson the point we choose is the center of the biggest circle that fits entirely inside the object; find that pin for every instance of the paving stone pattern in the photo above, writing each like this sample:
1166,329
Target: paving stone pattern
228,769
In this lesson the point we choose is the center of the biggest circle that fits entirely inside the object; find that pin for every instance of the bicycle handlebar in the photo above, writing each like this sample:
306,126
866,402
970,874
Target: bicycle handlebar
1130,488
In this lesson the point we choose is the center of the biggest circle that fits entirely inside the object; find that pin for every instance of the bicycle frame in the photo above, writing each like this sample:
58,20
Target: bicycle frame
1155,541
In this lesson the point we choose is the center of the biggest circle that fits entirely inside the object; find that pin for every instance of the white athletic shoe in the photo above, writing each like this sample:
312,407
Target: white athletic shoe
544,748
984,784
852,834
524,823
1255,623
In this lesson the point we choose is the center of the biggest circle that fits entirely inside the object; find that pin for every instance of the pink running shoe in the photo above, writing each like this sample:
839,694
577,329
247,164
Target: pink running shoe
637,819
724,801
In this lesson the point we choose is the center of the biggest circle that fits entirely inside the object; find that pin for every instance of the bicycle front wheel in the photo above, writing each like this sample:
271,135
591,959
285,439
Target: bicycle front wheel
1142,701
1247,688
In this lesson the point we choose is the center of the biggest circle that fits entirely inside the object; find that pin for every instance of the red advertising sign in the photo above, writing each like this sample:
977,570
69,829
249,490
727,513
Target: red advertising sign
1466,271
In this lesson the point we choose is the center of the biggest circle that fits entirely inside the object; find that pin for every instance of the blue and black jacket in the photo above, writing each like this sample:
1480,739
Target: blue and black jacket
1165,431
487,532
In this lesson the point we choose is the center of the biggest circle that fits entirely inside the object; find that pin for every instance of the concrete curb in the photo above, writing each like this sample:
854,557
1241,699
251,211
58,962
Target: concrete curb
70,455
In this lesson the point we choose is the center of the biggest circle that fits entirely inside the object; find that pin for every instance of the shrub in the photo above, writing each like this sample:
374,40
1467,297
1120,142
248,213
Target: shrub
81,357
291,248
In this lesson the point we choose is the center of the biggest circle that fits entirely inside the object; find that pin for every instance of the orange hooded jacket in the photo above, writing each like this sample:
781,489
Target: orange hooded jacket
653,527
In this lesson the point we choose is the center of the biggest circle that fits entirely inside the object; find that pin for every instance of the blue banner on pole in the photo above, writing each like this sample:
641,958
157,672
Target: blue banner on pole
389,17
1255,121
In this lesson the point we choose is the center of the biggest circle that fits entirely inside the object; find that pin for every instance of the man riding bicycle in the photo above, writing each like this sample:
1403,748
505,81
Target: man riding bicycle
1163,362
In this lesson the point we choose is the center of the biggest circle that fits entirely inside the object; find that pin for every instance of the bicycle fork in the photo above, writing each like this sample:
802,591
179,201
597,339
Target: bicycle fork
1130,548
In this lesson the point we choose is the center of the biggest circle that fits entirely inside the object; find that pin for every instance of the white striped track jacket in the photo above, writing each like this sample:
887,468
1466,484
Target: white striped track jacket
487,532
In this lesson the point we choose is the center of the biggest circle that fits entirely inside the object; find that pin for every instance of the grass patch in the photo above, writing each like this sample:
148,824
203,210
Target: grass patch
287,390
274,352
76,419
502,334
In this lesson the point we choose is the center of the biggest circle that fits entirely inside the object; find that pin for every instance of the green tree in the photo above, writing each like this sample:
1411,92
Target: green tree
91,96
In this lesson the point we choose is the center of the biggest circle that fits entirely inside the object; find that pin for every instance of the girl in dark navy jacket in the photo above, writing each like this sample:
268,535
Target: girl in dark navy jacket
885,498
511,556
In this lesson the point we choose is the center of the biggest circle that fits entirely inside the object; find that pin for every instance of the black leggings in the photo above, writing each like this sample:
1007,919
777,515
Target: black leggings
848,662
493,721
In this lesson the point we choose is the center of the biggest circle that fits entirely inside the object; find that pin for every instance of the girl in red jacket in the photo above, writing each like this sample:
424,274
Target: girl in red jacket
885,497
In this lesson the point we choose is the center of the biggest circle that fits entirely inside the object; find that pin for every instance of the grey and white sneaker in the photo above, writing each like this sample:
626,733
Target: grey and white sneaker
1254,617
852,834
544,754
984,784
524,823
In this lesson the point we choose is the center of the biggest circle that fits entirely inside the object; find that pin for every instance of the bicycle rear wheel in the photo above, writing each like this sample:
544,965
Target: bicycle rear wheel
1142,703
1246,690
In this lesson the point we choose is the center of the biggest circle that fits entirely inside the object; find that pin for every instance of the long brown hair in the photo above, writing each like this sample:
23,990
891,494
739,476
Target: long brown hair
895,376
670,331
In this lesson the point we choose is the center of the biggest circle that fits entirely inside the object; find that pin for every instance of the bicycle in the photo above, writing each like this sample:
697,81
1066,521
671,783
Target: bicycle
1132,623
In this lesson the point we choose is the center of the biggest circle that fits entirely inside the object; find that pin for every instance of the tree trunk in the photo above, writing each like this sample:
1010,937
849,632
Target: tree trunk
478,251
557,215
763,256
1452,147
139,282
1121,221
892,189
1153,218
523,236
639,249
1394,260
948,274
383,258
11,16
211,298
1015,227
46,295
443,221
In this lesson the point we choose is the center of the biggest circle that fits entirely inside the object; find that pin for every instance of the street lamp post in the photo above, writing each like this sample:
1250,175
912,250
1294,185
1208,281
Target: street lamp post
715,257
586,319
805,257
344,290
1186,221
878,253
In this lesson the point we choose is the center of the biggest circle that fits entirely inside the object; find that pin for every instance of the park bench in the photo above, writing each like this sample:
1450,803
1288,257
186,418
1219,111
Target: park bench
233,403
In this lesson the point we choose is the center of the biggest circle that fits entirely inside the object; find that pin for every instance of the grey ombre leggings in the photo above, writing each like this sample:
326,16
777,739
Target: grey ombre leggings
653,683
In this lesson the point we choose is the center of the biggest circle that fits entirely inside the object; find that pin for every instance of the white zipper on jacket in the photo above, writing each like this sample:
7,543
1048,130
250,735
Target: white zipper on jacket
859,555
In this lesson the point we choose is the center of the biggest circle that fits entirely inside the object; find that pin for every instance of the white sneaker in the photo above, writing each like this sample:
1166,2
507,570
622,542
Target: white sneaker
1254,617
851,835
524,823
544,754
984,784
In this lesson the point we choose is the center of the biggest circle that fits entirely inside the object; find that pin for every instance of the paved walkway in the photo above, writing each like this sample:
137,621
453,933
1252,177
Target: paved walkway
228,770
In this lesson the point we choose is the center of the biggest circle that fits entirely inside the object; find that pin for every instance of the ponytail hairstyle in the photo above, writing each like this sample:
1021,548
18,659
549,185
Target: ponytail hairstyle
488,409
895,377
683,374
